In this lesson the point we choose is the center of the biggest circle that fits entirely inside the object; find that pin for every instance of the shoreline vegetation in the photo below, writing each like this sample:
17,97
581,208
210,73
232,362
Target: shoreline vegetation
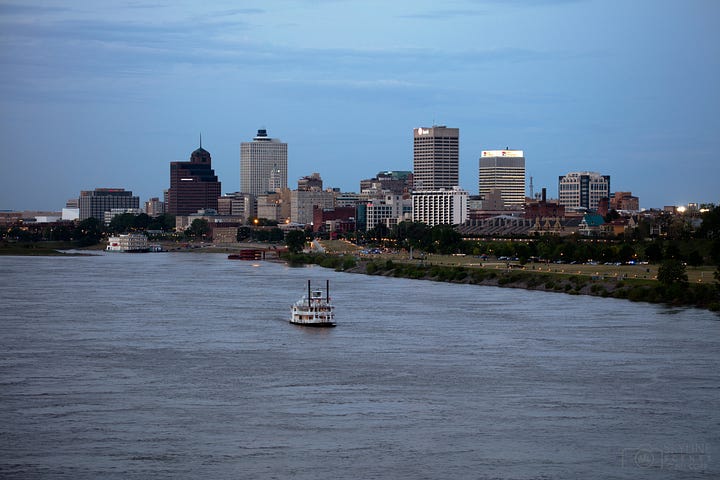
699,295
607,282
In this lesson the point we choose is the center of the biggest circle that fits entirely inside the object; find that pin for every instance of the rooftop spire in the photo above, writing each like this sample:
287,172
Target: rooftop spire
200,139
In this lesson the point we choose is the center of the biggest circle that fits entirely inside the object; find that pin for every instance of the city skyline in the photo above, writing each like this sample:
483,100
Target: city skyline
100,95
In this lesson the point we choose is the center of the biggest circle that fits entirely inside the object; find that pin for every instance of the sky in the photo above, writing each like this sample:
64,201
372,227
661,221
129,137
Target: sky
107,94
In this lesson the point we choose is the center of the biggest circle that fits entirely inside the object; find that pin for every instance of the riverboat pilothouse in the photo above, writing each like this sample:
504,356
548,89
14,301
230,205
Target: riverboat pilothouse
314,308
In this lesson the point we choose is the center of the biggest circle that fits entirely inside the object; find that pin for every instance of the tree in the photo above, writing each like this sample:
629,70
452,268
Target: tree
654,252
141,221
612,215
198,228
244,233
122,223
446,239
413,234
672,272
378,233
88,232
164,222
295,240
710,227
625,253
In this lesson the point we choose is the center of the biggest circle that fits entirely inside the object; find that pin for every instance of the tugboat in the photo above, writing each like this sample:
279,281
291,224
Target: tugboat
314,308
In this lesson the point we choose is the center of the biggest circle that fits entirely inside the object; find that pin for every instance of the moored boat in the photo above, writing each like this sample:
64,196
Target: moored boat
314,309
132,242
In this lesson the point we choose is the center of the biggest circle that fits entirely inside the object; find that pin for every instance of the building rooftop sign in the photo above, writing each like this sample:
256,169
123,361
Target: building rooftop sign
503,153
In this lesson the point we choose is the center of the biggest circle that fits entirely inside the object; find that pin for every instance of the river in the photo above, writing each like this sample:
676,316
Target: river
183,365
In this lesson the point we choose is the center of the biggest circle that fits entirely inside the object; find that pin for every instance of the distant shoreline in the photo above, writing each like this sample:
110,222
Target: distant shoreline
703,296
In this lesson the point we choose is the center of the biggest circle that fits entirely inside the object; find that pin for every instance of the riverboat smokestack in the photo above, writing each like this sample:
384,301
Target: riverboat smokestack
327,291
308,293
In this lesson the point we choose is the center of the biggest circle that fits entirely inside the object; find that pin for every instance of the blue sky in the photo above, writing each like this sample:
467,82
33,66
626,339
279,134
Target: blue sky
107,94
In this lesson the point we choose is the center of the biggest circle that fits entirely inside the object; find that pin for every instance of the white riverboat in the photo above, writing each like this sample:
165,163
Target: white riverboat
314,309
132,242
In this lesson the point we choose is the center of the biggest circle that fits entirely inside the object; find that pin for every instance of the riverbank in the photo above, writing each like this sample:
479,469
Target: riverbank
705,296
37,249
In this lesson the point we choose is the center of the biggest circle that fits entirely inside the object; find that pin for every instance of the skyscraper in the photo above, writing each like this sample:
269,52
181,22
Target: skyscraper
193,185
263,164
436,159
583,189
503,170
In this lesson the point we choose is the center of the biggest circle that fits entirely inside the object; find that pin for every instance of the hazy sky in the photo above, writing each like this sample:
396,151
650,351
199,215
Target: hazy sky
107,94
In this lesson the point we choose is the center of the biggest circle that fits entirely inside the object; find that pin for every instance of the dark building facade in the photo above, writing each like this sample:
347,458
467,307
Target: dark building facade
397,182
94,203
343,216
543,208
193,185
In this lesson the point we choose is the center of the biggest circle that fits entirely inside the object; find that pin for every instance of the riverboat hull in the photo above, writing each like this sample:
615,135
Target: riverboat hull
314,309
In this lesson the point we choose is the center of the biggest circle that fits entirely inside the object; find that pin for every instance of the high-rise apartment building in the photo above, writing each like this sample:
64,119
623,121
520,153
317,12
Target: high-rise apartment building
440,207
436,157
263,165
583,189
94,203
503,170
193,185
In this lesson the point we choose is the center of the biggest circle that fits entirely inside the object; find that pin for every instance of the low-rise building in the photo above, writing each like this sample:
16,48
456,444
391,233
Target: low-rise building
388,210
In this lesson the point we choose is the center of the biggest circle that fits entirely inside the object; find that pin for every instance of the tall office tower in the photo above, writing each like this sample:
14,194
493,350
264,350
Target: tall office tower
263,164
503,170
583,189
94,203
193,185
436,158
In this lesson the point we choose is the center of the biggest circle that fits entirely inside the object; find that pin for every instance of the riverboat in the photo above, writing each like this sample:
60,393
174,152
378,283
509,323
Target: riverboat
133,242
314,309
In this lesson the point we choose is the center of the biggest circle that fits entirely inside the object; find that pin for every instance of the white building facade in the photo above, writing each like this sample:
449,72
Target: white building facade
440,207
583,189
263,164
388,210
131,242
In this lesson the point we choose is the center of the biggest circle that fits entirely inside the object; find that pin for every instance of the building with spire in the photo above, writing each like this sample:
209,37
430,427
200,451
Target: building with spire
193,184
263,165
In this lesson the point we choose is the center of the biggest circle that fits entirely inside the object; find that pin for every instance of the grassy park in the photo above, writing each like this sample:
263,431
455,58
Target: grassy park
703,274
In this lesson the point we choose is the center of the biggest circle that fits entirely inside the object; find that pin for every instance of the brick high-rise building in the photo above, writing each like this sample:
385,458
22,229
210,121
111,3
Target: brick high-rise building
193,185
